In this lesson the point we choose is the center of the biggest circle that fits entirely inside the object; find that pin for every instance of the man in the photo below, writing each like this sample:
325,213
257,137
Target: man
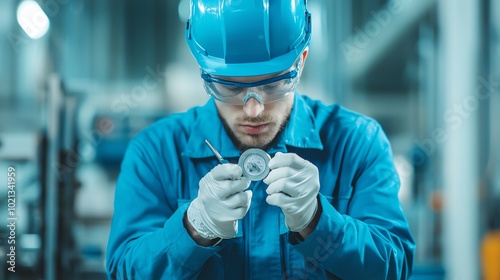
328,208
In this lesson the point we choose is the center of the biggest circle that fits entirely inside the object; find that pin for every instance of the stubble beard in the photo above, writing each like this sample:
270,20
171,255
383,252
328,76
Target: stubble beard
257,140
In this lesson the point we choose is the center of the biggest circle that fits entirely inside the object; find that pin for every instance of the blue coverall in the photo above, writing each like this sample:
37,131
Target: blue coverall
362,232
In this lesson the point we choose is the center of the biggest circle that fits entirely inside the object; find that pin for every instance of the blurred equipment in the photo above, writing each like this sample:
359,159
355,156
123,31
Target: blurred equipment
490,255
58,179
490,245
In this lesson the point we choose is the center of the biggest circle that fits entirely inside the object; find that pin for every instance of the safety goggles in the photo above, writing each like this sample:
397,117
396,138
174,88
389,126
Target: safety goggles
264,91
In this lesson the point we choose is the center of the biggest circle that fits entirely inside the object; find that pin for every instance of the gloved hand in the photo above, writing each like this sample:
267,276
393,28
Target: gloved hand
221,202
293,186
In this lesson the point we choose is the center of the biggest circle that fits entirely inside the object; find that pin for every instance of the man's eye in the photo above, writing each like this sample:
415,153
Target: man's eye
270,87
274,85
234,89
230,91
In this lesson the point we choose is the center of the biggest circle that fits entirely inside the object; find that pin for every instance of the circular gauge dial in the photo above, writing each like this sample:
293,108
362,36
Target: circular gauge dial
254,164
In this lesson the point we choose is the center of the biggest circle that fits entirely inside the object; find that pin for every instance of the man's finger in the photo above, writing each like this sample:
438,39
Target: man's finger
287,160
231,187
279,173
228,171
241,199
281,200
282,186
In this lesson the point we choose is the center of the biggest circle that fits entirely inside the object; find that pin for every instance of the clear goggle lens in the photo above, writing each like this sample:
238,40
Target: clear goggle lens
265,91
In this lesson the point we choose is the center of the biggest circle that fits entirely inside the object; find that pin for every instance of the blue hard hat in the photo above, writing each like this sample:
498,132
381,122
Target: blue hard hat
247,37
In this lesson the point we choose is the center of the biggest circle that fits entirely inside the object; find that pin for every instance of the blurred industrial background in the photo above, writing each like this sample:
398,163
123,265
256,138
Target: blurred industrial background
79,78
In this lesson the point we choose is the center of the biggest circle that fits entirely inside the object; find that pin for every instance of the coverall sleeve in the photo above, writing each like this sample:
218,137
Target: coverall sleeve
372,240
147,238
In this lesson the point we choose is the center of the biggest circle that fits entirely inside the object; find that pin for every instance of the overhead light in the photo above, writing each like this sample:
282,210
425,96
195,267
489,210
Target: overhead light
184,10
32,19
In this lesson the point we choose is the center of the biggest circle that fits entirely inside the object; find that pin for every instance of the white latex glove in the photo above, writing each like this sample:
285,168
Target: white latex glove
293,186
221,202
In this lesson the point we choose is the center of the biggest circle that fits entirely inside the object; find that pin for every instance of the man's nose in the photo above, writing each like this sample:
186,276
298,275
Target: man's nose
253,108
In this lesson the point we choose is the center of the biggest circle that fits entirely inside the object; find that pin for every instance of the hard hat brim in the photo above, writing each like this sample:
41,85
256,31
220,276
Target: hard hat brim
218,66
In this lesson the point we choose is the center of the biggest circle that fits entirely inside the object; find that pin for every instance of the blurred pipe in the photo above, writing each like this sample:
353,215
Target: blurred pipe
325,77
427,171
495,98
51,204
459,27
400,19
334,74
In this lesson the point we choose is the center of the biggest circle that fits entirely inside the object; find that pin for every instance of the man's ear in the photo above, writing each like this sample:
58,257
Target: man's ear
303,57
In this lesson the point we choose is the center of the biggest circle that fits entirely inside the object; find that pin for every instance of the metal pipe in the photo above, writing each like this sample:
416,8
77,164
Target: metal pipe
459,27
51,192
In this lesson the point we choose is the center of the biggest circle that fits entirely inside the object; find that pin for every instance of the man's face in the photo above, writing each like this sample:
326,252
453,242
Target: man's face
255,125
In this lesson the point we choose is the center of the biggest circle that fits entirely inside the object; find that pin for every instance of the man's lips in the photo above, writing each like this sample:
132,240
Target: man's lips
254,128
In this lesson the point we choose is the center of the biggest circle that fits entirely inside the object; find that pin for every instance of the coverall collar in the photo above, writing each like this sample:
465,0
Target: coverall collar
300,132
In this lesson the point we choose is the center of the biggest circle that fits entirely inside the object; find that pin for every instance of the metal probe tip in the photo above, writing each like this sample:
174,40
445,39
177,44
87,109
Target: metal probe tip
215,152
